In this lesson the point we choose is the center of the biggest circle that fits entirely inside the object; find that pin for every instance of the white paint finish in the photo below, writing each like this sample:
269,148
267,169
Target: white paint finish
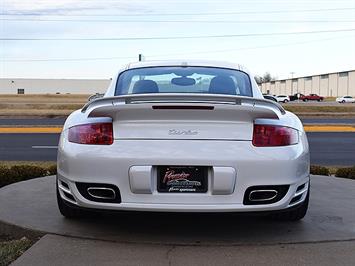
141,141
140,179
141,121
223,180
110,164
345,99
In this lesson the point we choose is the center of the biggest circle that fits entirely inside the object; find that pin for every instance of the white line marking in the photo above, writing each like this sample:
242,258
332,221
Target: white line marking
44,147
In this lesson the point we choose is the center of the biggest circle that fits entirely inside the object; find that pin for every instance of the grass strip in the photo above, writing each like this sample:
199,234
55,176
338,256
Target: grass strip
12,249
299,109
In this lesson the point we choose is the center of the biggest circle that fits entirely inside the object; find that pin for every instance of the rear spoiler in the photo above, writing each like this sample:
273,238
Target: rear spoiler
195,98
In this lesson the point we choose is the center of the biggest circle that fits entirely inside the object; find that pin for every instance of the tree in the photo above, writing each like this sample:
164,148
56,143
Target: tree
265,78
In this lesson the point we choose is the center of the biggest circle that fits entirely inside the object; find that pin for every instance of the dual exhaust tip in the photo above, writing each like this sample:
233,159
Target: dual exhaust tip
97,192
262,195
257,195
110,194
253,195
102,193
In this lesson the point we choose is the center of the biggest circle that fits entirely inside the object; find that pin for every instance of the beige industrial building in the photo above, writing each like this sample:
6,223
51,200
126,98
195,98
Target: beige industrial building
331,84
40,86
327,85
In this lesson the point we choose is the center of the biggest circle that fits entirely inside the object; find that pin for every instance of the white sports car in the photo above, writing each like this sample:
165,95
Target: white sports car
183,137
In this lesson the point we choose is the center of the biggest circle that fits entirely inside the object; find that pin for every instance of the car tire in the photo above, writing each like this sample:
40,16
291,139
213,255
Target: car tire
343,101
65,209
285,101
319,100
294,214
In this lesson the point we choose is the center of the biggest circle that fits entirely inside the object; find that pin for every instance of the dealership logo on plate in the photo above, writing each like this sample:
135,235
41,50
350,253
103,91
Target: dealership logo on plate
180,181
170,175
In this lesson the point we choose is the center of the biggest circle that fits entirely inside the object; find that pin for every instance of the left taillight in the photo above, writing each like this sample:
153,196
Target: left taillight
95,134
274,135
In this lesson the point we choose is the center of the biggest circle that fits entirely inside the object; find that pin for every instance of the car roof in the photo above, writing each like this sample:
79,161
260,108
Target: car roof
202,63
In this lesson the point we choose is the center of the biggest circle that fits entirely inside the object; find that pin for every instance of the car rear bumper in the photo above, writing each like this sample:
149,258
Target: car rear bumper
234,166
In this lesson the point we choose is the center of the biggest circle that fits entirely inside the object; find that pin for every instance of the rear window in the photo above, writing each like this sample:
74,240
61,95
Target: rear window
183,80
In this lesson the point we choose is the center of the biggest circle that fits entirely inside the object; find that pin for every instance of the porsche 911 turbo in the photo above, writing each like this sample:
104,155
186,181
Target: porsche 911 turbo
172,136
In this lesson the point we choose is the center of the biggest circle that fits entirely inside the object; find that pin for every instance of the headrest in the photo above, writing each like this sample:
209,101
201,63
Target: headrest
145,86
222,85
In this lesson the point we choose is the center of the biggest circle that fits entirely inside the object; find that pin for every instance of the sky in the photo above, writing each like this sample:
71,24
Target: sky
93,38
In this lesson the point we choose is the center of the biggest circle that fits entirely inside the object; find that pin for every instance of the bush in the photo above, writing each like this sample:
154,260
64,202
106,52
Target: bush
5,176
52,170
348,172
319,170
21,172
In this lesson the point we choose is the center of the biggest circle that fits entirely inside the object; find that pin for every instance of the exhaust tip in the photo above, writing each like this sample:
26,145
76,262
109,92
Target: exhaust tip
99,192
102,193
257,195
262,195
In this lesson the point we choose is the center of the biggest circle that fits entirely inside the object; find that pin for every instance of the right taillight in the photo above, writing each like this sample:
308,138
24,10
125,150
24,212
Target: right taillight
272,135
94,134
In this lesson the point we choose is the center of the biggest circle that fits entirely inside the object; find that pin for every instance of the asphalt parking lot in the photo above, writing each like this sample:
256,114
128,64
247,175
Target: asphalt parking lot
325,236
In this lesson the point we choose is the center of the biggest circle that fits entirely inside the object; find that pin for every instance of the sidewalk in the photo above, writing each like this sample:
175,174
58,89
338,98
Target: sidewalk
57,250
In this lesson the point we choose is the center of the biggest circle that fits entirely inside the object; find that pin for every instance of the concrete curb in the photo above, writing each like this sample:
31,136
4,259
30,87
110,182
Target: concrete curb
324,216
18,232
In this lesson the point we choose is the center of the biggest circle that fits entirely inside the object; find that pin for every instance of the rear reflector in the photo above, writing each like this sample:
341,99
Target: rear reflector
95,134
271,135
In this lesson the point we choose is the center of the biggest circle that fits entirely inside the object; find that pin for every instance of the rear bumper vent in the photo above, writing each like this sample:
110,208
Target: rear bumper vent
97,192
300,194
65,191
257,195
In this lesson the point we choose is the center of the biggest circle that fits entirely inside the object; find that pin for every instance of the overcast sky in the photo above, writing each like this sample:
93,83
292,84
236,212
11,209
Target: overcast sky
329,47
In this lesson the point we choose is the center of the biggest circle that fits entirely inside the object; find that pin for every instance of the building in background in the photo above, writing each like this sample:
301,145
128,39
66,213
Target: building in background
52,86
328,85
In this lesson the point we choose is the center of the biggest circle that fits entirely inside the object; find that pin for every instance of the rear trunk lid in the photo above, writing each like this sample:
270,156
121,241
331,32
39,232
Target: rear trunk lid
183,116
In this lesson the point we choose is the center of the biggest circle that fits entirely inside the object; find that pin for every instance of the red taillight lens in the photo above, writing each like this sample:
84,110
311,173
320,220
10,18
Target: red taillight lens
96,134
270,135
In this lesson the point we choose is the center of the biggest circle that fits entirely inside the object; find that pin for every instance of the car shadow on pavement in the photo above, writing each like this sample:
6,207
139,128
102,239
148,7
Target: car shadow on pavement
187,228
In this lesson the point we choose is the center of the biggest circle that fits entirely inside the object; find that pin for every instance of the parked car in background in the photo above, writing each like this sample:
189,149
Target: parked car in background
345,99
311,97
270,97
295,96
282,98
160,140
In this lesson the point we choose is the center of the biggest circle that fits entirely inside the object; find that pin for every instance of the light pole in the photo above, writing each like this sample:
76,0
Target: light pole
141,57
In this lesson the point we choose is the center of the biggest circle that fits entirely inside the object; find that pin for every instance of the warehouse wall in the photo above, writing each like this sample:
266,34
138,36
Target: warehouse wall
38,86
329,85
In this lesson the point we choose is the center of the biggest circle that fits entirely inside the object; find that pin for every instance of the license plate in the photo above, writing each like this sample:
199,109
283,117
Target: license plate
182,179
